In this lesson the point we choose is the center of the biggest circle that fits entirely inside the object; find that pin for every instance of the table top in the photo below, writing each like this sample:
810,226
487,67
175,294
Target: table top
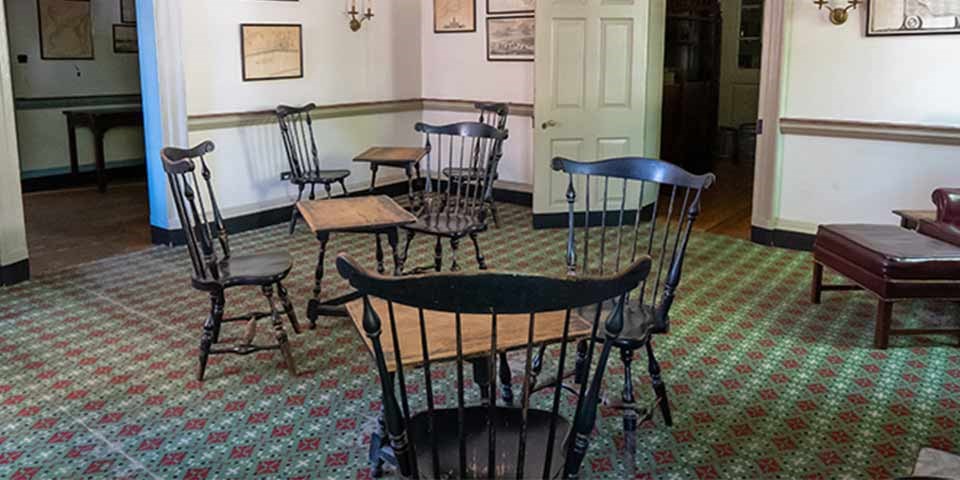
512,332
394,155
353,213
917,214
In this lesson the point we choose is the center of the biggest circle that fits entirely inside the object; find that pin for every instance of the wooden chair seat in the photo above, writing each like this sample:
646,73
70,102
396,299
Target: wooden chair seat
447,224
639,322
507,423
258,269
320,176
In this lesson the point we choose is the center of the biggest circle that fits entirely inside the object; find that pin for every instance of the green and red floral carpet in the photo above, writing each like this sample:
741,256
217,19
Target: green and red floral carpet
97,374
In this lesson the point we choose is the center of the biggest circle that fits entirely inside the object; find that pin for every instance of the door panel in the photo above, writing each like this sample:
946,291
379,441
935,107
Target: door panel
599,73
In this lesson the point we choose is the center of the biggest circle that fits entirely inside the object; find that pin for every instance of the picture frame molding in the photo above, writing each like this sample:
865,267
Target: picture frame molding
869,33
93,46
508,12
243,54
475,20
506,17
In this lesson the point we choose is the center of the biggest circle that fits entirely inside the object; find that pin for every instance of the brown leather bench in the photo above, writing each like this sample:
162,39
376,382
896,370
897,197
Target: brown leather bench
895,263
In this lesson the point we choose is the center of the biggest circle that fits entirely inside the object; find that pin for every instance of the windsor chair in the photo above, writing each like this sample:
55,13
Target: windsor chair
628,196
495,115
296,128
216,269
486,441
454,208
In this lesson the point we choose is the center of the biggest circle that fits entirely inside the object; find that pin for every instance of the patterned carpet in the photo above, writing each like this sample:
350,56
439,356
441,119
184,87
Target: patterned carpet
97,365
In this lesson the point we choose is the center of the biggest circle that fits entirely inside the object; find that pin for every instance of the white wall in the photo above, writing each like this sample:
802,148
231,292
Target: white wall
42,132
380,62
836,72
455,67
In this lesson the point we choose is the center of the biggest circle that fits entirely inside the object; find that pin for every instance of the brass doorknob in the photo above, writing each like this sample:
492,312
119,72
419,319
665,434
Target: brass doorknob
548,124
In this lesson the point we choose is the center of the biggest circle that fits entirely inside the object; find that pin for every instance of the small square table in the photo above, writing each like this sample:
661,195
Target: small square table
368,214
407,158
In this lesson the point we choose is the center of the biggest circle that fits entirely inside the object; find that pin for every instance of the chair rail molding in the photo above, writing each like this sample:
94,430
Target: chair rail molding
871,130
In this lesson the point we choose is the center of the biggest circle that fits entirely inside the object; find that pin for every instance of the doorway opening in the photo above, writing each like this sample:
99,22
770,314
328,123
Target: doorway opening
76,85
710,101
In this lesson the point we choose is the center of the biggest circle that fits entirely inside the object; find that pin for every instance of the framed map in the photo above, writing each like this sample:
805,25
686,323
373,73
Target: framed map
912,17
511,38
271,51
510,6
125,39
128,11
454,16
66,29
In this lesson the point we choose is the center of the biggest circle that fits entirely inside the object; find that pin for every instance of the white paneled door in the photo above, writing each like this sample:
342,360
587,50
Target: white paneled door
599,84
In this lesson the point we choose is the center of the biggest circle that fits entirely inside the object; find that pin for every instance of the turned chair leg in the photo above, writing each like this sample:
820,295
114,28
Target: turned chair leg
438,255
629,412
211,329
288,308
343,186
278,331
326,186
816,287
881,339
454,245
406,250
295,211
659,388
506,380
481,262
495,213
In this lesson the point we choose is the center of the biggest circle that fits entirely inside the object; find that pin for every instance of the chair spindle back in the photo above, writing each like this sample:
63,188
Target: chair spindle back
493,298
296,128
204,229
494,114
628,228
471,147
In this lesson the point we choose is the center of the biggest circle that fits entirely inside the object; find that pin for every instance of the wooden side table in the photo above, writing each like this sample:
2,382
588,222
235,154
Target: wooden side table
99,121
911,218
407,158
370,214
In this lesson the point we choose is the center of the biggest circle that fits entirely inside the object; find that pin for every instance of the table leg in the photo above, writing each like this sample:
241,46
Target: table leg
373,176
409,171
100,160
393,238
380,268
72,143
313,307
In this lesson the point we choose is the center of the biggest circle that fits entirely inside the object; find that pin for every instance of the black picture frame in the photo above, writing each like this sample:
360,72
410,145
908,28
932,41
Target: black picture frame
473,30
869,33
127,16
243,54
507,17
135,49
43,51
501,12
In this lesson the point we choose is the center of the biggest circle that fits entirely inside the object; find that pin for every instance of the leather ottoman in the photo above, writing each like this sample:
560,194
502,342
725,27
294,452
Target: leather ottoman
893,263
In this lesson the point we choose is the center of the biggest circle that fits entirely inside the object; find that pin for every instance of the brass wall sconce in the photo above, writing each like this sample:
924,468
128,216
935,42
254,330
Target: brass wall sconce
357,17
838,15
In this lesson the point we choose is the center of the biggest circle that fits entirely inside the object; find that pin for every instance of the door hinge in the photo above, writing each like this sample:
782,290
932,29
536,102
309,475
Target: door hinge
760,126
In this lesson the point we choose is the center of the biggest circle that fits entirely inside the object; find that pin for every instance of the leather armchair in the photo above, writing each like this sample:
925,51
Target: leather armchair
947,226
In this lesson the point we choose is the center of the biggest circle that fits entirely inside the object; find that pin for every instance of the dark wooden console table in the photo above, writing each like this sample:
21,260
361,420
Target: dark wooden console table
99,121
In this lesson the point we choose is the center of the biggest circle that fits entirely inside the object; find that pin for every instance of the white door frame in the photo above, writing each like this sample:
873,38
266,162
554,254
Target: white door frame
766,180
13,238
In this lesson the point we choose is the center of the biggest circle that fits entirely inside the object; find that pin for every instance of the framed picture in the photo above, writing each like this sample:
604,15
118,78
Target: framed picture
912,17
66,29
271,51
510,6
454,16
511,38
128,11
125,39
